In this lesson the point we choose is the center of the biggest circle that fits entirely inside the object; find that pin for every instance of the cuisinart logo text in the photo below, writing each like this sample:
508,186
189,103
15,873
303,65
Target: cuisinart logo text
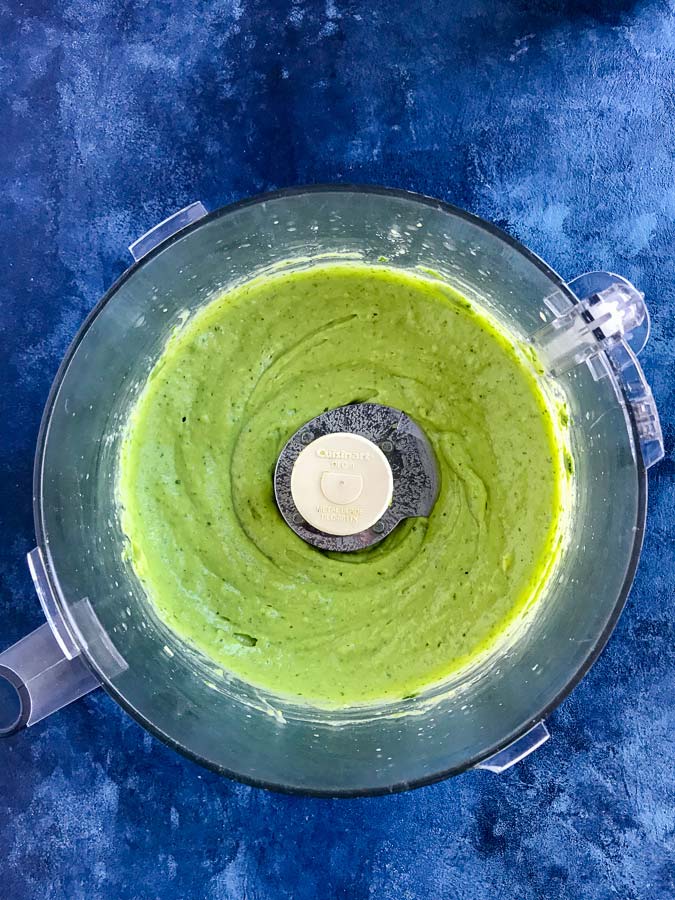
343,454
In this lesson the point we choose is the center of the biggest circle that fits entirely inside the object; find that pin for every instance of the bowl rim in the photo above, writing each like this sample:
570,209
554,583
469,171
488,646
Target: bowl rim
543,713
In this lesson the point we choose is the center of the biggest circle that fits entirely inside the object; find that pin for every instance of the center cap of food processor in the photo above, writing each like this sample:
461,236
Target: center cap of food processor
342,483
347,478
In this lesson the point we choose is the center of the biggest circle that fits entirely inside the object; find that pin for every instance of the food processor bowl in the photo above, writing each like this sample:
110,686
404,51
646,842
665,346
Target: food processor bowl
101,628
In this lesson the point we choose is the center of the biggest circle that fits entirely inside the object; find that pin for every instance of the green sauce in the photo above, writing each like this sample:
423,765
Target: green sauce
226,573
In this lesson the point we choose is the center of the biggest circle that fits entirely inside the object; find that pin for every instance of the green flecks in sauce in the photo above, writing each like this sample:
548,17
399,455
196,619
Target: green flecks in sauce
197,503
569,462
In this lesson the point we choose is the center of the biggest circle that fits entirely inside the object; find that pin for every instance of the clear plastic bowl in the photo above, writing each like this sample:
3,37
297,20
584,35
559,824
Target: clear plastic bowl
95,601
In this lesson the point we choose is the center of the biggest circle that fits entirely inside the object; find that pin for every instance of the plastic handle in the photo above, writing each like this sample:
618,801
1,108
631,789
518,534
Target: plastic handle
44,678
158,233
44,669
520,748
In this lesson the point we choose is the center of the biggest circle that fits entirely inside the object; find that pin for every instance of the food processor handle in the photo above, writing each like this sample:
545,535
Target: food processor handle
44,671
43,678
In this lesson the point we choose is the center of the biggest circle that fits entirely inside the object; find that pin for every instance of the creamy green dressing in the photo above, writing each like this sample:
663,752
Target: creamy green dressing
227,574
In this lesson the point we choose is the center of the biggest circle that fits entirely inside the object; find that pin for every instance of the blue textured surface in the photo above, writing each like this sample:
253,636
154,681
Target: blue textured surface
554,119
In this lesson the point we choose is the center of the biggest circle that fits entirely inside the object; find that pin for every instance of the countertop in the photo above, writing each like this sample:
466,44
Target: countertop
554,119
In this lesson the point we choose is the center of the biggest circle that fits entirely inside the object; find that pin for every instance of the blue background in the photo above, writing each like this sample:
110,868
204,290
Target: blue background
555,120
